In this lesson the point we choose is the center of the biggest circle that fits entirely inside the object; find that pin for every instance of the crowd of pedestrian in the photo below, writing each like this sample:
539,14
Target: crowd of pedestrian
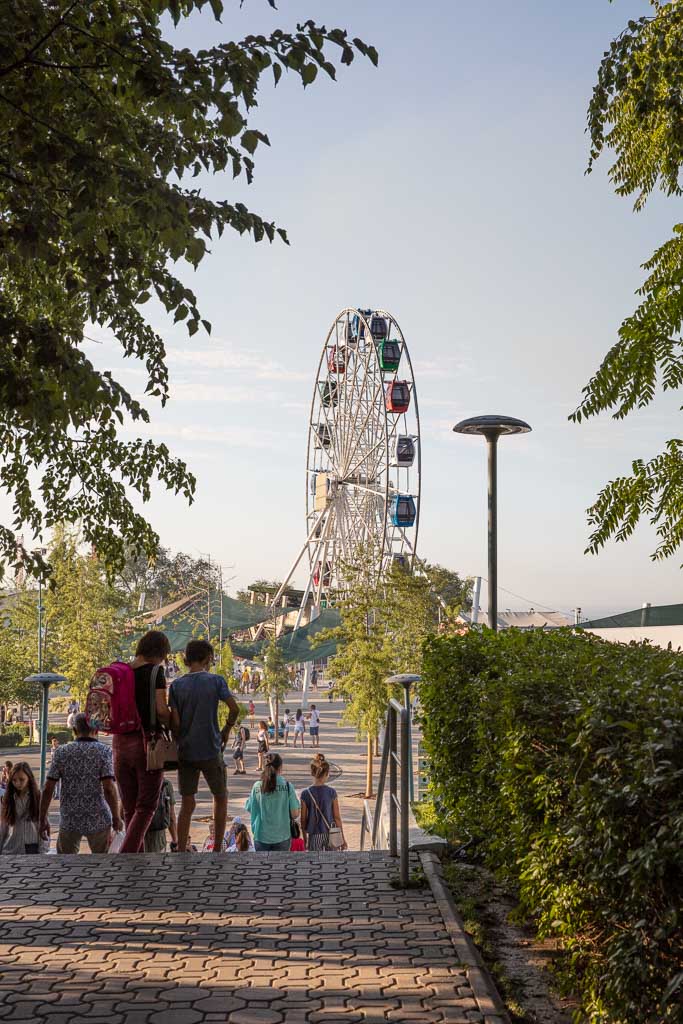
118,797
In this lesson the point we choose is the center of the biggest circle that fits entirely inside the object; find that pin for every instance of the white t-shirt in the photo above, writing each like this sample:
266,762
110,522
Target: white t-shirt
315,718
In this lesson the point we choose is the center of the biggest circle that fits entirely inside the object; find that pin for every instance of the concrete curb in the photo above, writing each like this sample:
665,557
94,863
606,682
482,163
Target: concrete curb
485,992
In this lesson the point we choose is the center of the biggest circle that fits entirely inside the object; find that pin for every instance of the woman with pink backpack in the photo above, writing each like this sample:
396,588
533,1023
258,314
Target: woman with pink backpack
127,701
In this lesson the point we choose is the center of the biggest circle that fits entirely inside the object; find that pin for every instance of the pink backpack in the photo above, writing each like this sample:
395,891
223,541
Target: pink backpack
110,704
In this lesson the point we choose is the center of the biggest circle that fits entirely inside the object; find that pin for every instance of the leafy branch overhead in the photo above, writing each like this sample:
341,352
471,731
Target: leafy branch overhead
637,111
103,125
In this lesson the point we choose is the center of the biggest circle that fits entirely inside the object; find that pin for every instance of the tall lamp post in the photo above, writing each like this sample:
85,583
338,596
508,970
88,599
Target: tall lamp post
46,679
492,427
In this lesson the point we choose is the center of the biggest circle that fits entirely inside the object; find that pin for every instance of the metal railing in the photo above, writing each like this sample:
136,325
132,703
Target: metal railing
397,764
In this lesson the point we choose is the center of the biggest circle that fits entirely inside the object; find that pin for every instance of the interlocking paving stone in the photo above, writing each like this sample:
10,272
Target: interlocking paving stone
245,939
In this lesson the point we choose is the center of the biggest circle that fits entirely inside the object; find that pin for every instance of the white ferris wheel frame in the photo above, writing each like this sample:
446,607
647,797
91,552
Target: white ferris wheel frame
369,435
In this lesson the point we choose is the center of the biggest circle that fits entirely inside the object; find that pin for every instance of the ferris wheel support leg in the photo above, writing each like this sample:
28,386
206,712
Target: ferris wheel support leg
308,671
291,572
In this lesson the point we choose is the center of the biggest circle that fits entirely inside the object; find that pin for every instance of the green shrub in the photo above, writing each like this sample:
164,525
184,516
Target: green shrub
563,755
10,739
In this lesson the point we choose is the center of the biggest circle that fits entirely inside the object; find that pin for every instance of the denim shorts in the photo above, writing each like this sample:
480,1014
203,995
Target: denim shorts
265,847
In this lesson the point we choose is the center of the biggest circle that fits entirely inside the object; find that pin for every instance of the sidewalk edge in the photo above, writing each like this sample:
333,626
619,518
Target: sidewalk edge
485,992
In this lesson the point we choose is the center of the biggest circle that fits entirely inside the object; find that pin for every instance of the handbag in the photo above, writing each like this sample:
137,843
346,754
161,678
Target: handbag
293,827
335,836
162,750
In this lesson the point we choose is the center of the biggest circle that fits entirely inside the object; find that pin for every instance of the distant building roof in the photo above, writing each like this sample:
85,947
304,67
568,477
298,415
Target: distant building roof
522,620
659,615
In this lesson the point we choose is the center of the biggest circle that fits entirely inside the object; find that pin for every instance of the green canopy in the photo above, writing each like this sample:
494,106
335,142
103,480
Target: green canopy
296,646
183,624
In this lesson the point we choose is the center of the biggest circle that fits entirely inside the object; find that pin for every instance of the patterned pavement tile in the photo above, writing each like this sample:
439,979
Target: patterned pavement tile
250,939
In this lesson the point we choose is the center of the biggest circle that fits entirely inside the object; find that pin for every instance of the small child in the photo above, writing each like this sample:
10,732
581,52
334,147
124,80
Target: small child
297,844
238,839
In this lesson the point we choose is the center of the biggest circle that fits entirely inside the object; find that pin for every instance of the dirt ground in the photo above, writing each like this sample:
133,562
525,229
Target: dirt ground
516,957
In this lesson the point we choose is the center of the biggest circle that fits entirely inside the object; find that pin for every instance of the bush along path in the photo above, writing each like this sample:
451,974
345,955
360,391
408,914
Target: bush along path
561,757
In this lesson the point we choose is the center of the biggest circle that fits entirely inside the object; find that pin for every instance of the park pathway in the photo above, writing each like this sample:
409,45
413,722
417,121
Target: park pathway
232,939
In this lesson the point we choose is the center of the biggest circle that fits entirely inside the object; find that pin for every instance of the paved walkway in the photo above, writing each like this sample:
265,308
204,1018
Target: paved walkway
240,939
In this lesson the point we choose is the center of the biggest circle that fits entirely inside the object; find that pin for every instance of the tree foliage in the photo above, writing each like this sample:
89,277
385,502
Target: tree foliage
561,755
275,677
637,111
83,623
104,124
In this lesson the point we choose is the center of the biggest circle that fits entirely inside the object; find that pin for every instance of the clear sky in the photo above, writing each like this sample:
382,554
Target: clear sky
448,187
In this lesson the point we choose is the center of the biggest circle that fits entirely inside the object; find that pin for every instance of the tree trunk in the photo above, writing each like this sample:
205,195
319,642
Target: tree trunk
368,777
277,719
377,745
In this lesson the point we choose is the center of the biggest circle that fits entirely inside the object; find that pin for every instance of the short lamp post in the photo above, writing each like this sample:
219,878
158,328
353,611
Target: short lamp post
46,679
492,427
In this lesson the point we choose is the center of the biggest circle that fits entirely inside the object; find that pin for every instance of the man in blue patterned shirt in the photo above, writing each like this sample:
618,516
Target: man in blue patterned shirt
89,803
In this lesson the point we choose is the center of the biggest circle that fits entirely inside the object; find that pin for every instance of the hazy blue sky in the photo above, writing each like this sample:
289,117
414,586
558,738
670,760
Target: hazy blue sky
448,187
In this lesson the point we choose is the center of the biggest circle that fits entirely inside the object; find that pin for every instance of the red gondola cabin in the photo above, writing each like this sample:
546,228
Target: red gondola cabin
398,396
336,359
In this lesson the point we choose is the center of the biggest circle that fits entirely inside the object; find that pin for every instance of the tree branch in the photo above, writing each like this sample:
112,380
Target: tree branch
41,42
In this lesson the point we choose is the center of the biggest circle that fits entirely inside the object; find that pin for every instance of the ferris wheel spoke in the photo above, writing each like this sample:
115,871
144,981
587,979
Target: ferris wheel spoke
362,392
366,421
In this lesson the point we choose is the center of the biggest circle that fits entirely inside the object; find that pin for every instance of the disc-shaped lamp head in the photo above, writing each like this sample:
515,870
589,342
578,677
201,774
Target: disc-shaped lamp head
492,426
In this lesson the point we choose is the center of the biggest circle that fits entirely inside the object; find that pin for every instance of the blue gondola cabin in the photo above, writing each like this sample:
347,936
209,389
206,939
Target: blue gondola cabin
389,353
402,511
398,396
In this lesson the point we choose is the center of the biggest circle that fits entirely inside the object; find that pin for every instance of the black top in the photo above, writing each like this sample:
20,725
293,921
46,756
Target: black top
142,680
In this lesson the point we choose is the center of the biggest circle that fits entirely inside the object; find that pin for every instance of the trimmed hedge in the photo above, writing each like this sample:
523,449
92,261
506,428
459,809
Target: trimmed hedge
10,739
563,755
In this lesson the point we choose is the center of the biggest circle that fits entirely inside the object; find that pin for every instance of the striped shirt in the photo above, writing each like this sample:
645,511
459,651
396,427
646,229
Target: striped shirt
13,838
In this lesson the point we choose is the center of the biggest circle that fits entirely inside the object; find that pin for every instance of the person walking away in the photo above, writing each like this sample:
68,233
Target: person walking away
286,726
54,743
252,714
263,744
90,802
297,844
273,805
193,700
299,727
71,718
164,820
138,787
4,777
314,679
320,809
314,726
20,814
239,746
245,682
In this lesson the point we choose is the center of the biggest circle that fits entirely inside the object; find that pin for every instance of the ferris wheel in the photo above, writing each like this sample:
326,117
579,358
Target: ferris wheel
363,455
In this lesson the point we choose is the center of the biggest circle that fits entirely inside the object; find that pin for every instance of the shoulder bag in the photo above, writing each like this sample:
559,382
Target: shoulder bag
335,837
